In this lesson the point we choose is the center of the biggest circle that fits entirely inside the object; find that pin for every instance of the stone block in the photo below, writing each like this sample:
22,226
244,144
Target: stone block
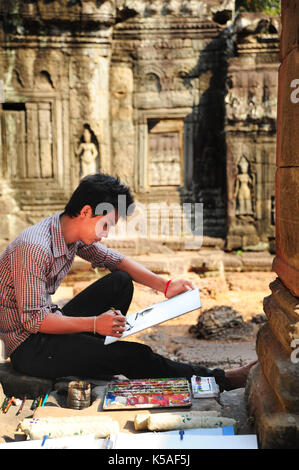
234,405
19,385
232,262
276,428
284,325
286,263
250,240
233,242
280,371
207,264
286,300
287,215
256,261
288,274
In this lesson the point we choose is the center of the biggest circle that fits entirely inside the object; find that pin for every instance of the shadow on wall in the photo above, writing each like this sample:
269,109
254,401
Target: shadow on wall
209,150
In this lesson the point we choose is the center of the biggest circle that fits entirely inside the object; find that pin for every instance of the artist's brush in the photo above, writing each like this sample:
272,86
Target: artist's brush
8,405
114,310
5,401
34,403
21,406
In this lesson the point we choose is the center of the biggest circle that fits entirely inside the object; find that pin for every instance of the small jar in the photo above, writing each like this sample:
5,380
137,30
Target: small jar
78,396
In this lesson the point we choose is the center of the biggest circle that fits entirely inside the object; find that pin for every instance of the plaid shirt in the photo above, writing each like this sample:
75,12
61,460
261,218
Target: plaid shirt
31,268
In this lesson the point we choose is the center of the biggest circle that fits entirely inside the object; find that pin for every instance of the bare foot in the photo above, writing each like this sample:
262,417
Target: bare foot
237,378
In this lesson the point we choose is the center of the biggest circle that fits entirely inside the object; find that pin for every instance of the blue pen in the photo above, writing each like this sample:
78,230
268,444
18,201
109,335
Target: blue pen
107,443
45,399
182,434
44,440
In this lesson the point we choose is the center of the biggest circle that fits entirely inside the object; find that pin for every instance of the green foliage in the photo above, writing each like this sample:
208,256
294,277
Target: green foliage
271,7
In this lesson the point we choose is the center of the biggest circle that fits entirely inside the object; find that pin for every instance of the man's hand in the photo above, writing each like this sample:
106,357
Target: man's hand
111,323
178,287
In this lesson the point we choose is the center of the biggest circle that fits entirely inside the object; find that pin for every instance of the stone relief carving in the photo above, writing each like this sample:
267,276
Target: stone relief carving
255,109
174,8
251,96
87,153
164,77
152,82
164,159
17,80
235,109
171,7
151,7
66,10
44,80
27,130
243,191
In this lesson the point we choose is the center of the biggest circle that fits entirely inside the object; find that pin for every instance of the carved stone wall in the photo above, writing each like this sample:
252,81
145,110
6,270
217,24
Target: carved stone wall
251,102
147,90
177,54
54,66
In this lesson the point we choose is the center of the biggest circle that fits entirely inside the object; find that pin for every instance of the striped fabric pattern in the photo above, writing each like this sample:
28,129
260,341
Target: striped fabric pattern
31,268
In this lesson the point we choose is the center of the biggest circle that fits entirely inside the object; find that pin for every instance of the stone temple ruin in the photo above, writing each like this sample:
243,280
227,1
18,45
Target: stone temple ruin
179,99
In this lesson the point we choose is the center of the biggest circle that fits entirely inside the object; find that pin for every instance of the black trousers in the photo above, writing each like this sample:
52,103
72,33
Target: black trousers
85,355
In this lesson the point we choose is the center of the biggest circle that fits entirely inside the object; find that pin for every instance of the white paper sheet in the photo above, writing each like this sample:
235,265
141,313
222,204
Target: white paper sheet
69,442
159,313
166,441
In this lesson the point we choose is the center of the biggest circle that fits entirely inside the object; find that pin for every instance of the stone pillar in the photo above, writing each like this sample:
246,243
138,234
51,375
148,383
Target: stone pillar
273,386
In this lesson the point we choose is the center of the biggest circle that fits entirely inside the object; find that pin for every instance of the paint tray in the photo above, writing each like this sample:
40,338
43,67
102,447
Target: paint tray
147,393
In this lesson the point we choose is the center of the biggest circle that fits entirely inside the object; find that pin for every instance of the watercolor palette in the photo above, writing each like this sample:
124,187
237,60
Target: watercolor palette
204,387
147,393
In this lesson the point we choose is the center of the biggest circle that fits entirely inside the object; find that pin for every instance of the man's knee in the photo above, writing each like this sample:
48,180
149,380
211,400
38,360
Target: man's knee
123,278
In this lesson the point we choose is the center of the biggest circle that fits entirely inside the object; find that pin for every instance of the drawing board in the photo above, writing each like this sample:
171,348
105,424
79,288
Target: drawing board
159,313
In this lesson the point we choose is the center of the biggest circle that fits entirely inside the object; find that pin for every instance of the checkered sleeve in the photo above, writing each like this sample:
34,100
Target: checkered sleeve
29,265
100,256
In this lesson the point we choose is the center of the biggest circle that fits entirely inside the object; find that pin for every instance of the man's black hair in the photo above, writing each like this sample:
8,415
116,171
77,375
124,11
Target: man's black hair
100,190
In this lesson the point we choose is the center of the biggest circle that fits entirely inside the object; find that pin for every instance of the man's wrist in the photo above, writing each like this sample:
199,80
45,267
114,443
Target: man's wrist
85,324
162,284
167,286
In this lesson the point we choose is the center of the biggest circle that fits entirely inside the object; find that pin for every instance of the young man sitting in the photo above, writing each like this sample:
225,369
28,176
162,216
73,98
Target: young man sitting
45,341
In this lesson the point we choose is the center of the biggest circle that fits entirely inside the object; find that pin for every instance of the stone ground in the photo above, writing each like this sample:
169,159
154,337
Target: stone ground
244,291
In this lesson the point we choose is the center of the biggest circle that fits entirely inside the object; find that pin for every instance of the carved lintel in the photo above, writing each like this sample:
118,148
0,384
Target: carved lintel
57,11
